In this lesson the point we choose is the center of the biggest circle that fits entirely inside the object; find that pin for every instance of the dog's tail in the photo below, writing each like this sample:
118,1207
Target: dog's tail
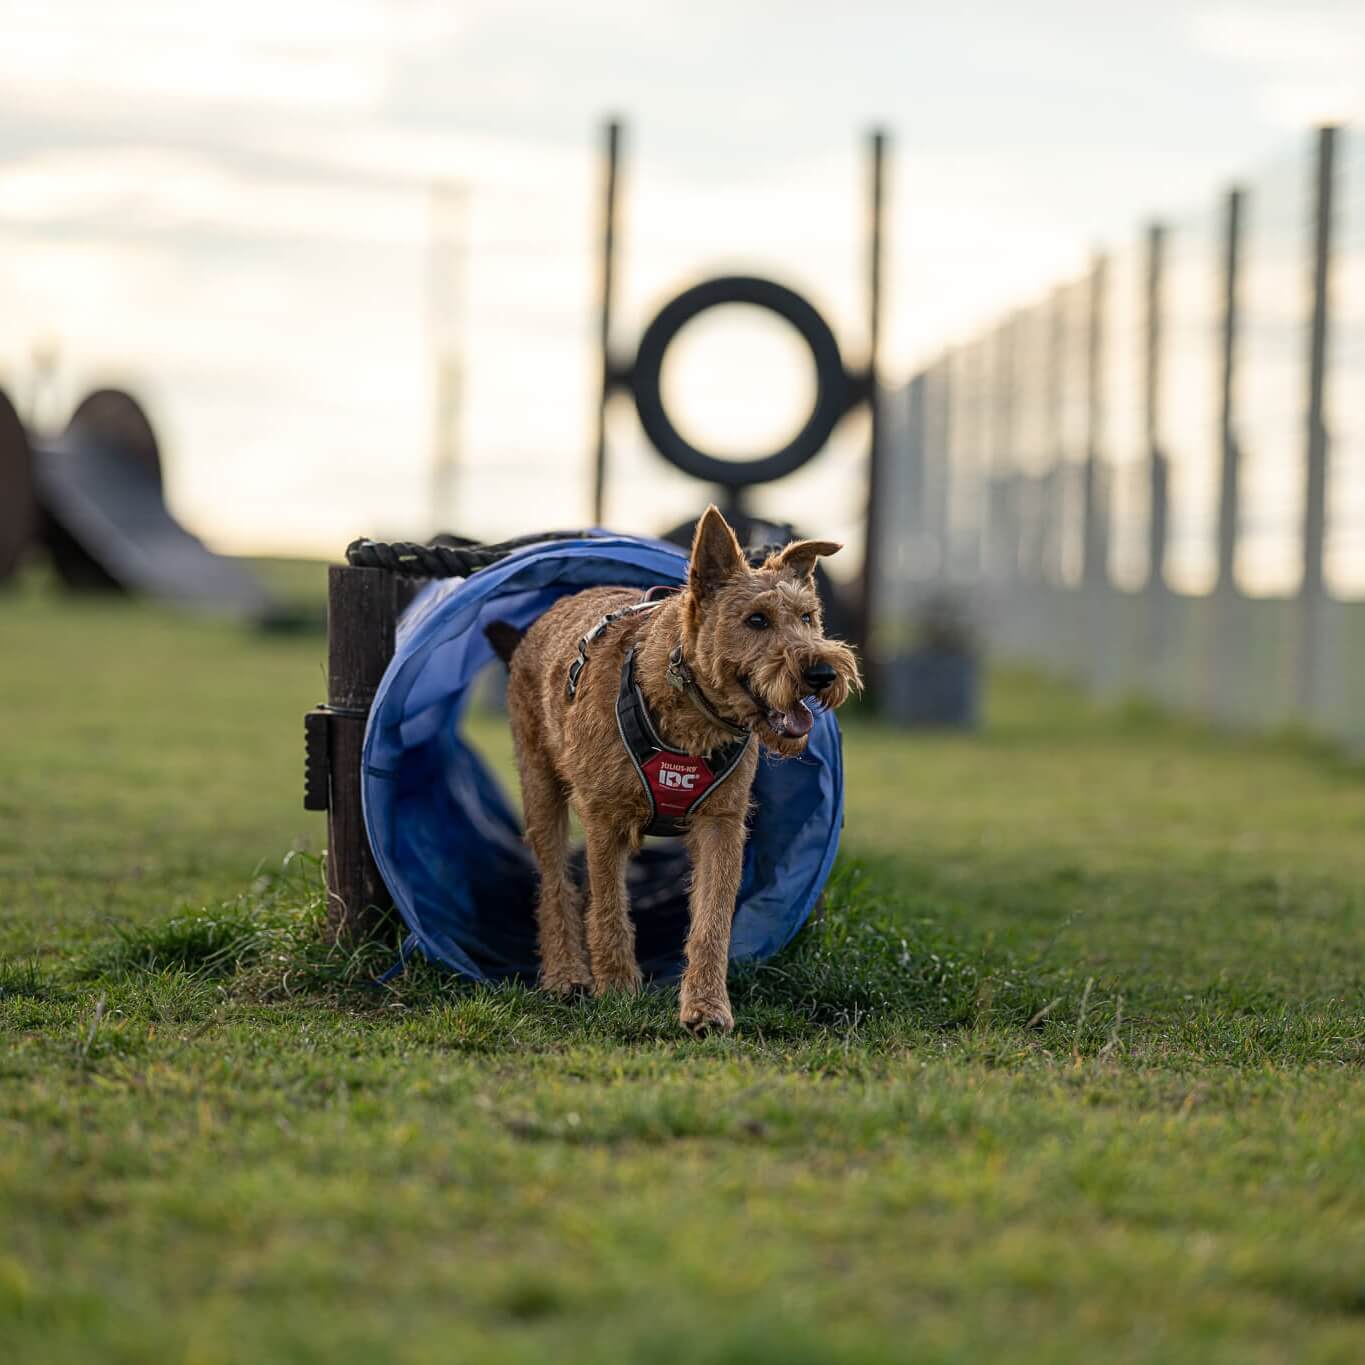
504,637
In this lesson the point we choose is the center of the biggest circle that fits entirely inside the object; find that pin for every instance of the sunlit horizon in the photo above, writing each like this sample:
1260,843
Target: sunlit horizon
229,214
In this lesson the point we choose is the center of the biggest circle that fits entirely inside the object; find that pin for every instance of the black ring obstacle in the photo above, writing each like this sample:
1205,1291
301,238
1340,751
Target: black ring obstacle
835,389
839,390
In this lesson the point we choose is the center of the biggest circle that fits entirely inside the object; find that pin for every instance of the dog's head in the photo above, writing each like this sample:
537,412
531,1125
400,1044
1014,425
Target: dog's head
754,638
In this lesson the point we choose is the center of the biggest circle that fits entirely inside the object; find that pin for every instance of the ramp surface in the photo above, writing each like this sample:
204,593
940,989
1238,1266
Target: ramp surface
111,507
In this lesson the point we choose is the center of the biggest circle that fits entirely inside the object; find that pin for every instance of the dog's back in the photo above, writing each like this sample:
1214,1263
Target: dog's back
538,669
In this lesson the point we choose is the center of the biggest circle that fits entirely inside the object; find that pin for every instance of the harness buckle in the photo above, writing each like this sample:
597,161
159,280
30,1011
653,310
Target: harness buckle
575,669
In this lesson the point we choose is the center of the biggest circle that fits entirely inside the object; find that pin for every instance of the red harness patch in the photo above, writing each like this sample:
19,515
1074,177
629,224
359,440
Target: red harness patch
677,781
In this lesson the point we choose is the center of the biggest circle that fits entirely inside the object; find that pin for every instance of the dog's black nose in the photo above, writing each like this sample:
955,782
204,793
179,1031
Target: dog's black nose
819,676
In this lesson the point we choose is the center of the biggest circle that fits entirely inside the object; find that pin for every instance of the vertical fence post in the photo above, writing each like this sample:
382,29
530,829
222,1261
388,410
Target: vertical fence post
910,508
1311,590
909,513
1092,647
1157,472
361,616
1027,486
611,166
1094,505
955,428
985,455
1225,677
971,462
1051,533
1003,562
1155,644
875,514
1230,454
1010,501
447,248
939,474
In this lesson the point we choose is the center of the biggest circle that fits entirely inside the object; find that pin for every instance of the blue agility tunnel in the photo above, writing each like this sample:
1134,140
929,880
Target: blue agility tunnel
449,843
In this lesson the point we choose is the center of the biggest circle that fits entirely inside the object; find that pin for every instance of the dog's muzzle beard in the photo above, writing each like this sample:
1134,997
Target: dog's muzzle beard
792,724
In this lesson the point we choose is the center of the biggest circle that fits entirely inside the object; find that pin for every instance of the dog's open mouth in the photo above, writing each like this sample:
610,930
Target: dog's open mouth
793,723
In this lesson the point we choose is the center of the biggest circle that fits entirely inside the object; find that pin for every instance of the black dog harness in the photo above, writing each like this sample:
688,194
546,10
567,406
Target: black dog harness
676,783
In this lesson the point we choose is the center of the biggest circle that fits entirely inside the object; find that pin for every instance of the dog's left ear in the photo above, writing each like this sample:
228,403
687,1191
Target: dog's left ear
716,556
799,557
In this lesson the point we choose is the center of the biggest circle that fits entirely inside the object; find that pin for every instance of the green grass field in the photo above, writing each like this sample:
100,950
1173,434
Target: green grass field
1070,1071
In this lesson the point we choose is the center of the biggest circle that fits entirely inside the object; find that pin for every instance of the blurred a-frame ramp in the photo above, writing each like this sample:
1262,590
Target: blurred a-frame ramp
107,525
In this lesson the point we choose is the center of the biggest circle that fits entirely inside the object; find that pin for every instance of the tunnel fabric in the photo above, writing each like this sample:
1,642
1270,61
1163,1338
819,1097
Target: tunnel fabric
448,842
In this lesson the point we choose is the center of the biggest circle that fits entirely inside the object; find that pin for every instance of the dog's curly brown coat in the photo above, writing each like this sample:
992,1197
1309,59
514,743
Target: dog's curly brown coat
750,638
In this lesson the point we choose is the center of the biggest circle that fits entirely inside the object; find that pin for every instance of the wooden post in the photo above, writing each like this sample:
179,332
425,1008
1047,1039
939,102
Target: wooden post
445,285
960,528
1229,489
874,519
978,380
1228,643
1030,416
1005,523
1156,458
908,511
1094,508
1312,589
1155,646
941,464
361,616
612,160
1052,553
909,506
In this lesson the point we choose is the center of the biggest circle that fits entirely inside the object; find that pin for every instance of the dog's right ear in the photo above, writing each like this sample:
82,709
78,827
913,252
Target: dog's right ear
799,557
716,556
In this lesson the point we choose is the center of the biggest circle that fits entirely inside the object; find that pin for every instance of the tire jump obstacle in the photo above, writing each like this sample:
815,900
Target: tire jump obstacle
91,497
840,389
415,818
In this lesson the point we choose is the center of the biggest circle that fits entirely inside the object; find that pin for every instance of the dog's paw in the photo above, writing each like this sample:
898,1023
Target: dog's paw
701,1016
566,981
624,977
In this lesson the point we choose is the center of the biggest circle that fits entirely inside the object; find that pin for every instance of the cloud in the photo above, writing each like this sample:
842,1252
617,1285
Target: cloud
231,205
1306,60
159,53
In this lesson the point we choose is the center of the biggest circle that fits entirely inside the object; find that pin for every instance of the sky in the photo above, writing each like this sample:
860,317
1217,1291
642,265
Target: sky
228,209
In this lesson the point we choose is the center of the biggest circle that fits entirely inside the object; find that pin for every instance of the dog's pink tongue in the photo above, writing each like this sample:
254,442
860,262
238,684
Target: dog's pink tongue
797,721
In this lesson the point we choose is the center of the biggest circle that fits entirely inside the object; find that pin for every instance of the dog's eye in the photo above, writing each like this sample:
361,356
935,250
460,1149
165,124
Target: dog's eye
805,618
757,621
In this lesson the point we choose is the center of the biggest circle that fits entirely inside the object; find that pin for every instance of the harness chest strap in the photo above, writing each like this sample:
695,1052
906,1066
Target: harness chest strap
679,676
675,782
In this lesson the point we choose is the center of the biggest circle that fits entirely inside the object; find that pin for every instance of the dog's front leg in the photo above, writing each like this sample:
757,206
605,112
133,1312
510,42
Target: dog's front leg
717,848
559,923
611,935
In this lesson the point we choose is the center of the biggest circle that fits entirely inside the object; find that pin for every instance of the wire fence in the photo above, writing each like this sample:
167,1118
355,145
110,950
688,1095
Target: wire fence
1153,478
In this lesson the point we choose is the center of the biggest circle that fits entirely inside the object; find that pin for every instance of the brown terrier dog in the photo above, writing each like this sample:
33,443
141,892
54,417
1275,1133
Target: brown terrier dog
643,717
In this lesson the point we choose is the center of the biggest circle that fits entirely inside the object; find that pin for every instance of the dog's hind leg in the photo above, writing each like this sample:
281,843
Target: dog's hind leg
559,920
716,846
611,935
